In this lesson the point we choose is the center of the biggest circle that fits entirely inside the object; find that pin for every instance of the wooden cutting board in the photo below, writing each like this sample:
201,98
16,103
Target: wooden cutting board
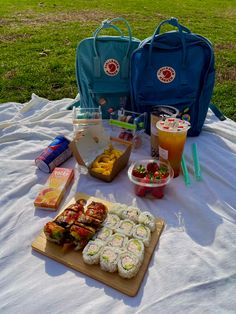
74,259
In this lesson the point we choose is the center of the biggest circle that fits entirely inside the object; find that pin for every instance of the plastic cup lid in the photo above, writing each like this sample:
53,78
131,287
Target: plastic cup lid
173,125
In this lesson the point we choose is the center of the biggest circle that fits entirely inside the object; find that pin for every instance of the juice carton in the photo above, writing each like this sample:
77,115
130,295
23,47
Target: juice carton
51,195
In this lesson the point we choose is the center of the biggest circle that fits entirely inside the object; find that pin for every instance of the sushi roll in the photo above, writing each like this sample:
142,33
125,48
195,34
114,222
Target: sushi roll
91,252
136,247
117,209
142,233
54,232
76,207
88,220
97,210
112,221
104,234
147,219
126,227
128,265
117,240
66,218
81,234
131,213
109,259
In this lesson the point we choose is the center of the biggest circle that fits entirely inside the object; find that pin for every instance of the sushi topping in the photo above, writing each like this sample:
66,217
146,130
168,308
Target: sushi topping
93,249
128,262
126,226
54,231
117,240
109,255
97,210
141,231
134,246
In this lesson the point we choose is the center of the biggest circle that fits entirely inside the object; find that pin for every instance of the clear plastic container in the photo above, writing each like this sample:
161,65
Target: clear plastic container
128,126
150,183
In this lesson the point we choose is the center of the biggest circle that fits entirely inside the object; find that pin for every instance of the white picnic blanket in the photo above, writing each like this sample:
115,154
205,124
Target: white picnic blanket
193,269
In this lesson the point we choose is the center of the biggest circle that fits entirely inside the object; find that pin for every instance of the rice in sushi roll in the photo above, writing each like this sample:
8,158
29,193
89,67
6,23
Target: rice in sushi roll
142,233
112,221
117,209
91,252
147,219
136,247
126,227
128,265
104,234
109,259
131,213
117,240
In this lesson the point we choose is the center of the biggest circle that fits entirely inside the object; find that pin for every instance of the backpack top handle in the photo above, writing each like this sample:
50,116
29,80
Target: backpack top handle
109,24
173,22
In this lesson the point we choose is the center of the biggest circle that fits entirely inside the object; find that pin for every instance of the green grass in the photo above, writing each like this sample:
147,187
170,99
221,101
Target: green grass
38,41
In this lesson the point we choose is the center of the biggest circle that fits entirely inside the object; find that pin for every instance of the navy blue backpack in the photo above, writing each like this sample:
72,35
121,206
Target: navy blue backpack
175,68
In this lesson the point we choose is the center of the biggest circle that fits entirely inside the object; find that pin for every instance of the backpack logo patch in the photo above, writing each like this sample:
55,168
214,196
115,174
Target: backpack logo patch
111,67
166,74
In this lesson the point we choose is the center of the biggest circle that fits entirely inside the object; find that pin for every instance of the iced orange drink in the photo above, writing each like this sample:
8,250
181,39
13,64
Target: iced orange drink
172,136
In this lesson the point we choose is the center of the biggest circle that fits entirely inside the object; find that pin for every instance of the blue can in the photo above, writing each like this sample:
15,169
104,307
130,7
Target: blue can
54,155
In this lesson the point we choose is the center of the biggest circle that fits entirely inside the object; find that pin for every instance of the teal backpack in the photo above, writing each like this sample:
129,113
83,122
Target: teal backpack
102,69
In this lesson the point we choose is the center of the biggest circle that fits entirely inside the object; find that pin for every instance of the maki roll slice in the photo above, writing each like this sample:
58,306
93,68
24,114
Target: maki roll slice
66,218
104,234
91,252
142,233
76,207
131,213
147,219
97,210
128,265
136,247
117,240
88,220
126,227
54,232
109,259
81,234
117,209
112,221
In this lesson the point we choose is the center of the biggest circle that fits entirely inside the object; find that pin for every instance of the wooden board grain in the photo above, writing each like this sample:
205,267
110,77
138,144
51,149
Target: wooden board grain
73,259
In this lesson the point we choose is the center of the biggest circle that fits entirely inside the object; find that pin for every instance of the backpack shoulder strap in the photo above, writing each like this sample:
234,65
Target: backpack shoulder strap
217,112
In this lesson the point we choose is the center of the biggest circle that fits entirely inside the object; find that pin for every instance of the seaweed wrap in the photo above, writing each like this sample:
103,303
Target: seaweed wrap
126,227
136,247
142,233
54,232
147,219
117,240
131,213
109,258
112,221
128,265
91,252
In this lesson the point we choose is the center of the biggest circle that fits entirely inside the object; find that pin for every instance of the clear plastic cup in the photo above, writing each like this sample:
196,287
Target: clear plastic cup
172,135
159,113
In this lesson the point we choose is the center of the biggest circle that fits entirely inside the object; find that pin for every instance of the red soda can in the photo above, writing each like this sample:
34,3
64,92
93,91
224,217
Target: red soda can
54,155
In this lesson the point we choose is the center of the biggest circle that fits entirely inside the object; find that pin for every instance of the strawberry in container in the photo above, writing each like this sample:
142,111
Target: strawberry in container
150,177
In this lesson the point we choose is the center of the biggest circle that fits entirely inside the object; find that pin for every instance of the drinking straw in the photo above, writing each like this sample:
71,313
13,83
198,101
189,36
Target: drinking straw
185,171
197,169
